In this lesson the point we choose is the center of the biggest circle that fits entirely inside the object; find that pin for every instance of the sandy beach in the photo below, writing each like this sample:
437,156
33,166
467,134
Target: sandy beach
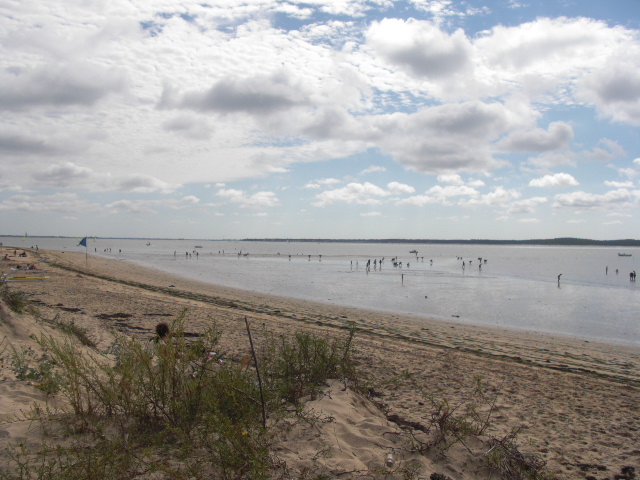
576,403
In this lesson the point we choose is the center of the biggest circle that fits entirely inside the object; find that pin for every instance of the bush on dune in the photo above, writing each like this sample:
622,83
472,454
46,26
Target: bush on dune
180,411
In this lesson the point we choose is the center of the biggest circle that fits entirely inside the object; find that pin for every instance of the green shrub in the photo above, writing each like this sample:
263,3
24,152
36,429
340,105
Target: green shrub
16,300
175,412
299,366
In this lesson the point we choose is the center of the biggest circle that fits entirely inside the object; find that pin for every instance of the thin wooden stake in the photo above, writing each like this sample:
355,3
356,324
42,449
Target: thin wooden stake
255,359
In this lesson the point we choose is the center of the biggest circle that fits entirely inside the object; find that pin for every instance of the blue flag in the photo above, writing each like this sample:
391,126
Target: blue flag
83,242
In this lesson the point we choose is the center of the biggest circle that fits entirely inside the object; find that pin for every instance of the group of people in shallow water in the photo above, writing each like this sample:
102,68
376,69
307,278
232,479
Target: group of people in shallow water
632,275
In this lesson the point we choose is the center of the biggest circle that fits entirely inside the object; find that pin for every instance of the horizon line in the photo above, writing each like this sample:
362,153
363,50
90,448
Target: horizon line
555,240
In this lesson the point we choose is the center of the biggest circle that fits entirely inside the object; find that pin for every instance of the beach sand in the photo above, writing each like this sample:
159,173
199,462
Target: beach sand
576,403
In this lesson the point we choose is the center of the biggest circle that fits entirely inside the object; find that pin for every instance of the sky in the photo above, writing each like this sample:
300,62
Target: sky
350,119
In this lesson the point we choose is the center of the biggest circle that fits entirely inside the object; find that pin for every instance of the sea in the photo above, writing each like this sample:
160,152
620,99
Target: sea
508,286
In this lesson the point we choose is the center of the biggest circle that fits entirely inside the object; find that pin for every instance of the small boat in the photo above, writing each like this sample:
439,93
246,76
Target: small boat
625,255
413,251
198,246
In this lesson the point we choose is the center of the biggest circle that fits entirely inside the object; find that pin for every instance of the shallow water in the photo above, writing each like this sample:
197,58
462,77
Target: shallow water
516,288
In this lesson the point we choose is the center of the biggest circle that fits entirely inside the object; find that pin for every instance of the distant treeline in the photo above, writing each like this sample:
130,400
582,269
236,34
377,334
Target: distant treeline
551,241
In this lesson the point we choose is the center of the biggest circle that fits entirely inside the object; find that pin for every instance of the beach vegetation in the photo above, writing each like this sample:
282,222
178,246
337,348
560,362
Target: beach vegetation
71,328
505,457
299,366
448,423
39,369
180,410
465,423
16,300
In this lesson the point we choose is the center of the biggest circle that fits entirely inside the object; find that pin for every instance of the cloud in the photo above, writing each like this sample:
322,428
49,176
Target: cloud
629,172
557,137
62,175
139,183
439,195
420,47
190,199
476,183
72,84
259,94
359,193
69,175
585,200
453,179
131,207
614,184
526,206
373,169
499,197
559,47
189,127
552,159
557,180
447,138
56,203
529,220
615,89
420,200
257,200
453,191
400,188
605,151
19,144
320,183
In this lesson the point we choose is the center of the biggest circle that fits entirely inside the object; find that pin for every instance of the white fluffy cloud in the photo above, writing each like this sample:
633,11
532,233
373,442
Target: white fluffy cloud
447,138
360,193
585,200
421,47
257,200
557,137
499,197
557,180
400,188
615,88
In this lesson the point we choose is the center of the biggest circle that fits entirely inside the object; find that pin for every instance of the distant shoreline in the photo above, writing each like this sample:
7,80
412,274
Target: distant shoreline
554,241
564,241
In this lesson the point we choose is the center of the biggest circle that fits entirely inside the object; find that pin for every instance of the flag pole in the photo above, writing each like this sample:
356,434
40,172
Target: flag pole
83,242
